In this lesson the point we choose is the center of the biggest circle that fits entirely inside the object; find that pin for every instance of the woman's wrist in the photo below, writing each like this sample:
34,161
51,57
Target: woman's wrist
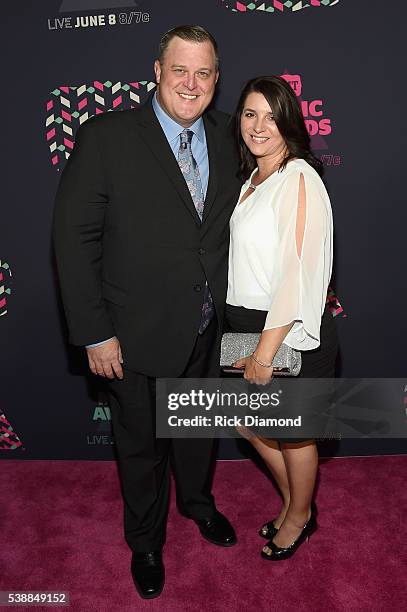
261,363
270,341
265,353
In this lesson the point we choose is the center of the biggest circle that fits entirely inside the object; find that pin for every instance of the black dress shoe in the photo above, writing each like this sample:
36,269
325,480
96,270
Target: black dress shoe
269,530
148,574
276,553
217,530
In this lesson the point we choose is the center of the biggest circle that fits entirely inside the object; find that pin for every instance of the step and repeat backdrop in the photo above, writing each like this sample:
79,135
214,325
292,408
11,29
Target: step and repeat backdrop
67,60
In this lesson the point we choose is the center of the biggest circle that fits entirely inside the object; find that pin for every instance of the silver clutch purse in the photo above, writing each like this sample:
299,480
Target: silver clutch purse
286,362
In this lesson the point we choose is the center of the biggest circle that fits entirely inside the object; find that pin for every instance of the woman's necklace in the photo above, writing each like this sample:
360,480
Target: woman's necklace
253,186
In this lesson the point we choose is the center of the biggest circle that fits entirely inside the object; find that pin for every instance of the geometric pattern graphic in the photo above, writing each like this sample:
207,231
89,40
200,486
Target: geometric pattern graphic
273,6
334,304
9,440
69,107
5,289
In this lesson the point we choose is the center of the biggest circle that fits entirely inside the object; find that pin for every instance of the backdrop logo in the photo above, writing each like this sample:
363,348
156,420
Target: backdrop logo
5,289
102,412
102,428
273,6
9,440
68,107
317,124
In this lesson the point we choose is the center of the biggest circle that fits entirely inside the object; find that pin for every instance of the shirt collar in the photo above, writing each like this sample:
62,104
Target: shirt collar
171,128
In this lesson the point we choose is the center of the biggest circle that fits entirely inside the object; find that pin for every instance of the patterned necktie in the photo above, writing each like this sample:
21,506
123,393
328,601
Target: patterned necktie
190,171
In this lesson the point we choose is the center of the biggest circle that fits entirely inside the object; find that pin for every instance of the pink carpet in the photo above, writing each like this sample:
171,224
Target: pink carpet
61,529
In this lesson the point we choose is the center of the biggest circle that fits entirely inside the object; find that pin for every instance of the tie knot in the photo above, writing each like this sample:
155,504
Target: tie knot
186,137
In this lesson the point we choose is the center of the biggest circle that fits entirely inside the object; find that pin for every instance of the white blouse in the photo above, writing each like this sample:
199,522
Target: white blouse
265,271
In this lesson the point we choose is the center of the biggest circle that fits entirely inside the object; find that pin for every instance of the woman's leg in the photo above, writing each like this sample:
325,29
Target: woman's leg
270,452
301,462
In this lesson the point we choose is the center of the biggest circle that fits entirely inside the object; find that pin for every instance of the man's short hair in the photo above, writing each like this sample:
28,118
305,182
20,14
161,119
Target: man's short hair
193,33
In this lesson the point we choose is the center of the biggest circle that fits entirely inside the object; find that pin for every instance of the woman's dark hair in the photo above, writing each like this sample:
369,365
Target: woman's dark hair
288,117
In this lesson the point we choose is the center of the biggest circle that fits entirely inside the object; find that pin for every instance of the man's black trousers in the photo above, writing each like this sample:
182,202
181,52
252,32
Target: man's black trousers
144,460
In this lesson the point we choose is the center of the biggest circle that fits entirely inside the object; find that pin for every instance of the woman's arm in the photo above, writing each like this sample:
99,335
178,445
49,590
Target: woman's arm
258,368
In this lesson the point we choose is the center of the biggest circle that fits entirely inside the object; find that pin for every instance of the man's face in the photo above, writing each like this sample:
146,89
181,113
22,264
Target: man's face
186,79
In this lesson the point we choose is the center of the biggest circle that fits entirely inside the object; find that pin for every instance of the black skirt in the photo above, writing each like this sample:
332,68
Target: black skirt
317,363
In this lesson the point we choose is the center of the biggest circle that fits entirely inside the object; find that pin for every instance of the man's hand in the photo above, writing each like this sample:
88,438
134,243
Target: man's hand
253,372
106,359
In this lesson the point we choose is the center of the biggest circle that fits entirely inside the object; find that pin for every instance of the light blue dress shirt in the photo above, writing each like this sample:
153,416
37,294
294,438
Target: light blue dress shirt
172,131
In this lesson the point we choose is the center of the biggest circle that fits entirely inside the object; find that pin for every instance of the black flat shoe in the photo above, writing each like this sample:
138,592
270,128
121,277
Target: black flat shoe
148,573
278,554
269,530
217,530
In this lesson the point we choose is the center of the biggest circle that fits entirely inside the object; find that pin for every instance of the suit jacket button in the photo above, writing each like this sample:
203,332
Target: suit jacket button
201,251
197,288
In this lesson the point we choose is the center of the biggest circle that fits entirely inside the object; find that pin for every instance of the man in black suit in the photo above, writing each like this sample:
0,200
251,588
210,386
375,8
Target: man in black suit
141,237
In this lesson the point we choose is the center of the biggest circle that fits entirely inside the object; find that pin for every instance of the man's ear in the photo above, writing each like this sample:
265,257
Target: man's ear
157,70
216,77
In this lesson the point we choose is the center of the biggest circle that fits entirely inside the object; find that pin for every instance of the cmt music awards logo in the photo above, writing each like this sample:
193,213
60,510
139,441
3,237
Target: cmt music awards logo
69,107
5,289
274,6
101,418
318,125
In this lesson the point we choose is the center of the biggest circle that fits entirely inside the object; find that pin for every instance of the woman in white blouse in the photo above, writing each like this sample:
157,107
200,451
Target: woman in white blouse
280,263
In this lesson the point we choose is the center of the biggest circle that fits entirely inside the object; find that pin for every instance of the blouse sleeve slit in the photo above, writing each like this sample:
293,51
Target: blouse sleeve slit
303,270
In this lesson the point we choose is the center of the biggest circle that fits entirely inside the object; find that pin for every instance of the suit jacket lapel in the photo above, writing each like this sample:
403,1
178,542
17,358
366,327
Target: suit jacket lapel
154,138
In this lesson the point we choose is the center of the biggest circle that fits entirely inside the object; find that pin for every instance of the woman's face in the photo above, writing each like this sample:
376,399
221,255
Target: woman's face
258,128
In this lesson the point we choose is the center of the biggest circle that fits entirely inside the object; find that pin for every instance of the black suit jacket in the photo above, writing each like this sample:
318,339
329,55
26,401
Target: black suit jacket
132,254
